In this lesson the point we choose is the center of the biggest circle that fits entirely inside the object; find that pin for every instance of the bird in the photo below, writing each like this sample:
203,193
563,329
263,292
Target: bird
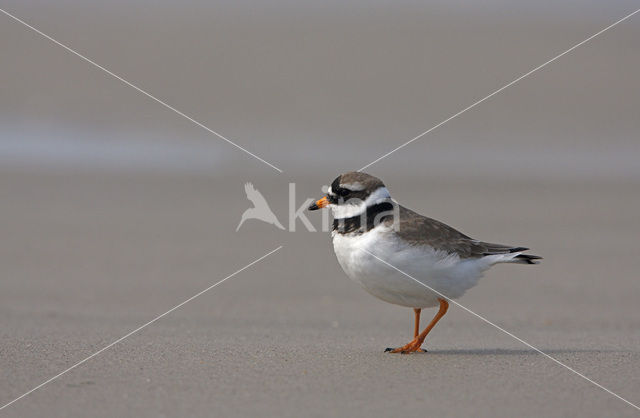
260,209
382,246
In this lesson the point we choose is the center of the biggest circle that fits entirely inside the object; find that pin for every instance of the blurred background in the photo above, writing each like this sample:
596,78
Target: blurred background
114,208
322,85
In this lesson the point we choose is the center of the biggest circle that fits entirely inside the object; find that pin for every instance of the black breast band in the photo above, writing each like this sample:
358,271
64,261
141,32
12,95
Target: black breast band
365,221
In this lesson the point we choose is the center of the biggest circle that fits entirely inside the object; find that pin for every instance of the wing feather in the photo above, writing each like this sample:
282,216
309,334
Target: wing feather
420,230
255,196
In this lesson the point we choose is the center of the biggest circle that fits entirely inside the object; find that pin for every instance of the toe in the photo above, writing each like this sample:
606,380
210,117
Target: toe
413,347
418,350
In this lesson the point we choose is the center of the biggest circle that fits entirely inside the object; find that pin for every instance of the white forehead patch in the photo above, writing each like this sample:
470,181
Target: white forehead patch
354,187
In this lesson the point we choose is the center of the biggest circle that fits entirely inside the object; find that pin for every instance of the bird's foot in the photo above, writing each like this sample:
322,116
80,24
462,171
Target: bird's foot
412,347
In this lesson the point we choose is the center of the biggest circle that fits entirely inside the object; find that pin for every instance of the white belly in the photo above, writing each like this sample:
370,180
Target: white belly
447,274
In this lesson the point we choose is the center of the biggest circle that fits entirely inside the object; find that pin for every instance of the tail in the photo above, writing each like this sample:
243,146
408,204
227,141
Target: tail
512,255
523,258
244,218
277,223
526,259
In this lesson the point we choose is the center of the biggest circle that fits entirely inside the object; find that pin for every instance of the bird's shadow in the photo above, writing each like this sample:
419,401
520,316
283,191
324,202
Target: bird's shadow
513,352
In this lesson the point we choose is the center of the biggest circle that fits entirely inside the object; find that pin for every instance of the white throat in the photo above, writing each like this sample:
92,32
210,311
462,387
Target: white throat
356,207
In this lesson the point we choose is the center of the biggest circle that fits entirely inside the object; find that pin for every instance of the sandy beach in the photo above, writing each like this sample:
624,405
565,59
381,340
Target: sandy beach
115,209
88,258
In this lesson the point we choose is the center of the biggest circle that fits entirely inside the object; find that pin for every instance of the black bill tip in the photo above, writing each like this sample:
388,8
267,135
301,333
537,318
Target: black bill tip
313,206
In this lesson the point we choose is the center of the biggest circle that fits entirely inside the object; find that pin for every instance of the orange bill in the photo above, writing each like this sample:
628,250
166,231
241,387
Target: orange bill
319,204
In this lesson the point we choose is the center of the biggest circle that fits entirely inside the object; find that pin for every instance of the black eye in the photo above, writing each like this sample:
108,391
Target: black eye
342,191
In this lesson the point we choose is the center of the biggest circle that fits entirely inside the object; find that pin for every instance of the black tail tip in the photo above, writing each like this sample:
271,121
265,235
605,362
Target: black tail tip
528,259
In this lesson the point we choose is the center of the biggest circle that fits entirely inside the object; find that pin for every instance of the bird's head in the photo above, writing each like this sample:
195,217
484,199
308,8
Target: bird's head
350,194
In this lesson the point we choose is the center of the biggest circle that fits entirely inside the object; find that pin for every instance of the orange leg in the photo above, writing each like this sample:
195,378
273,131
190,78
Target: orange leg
415,344
416,329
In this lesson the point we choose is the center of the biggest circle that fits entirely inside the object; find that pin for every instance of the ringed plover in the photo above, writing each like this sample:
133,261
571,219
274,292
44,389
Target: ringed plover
368,222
